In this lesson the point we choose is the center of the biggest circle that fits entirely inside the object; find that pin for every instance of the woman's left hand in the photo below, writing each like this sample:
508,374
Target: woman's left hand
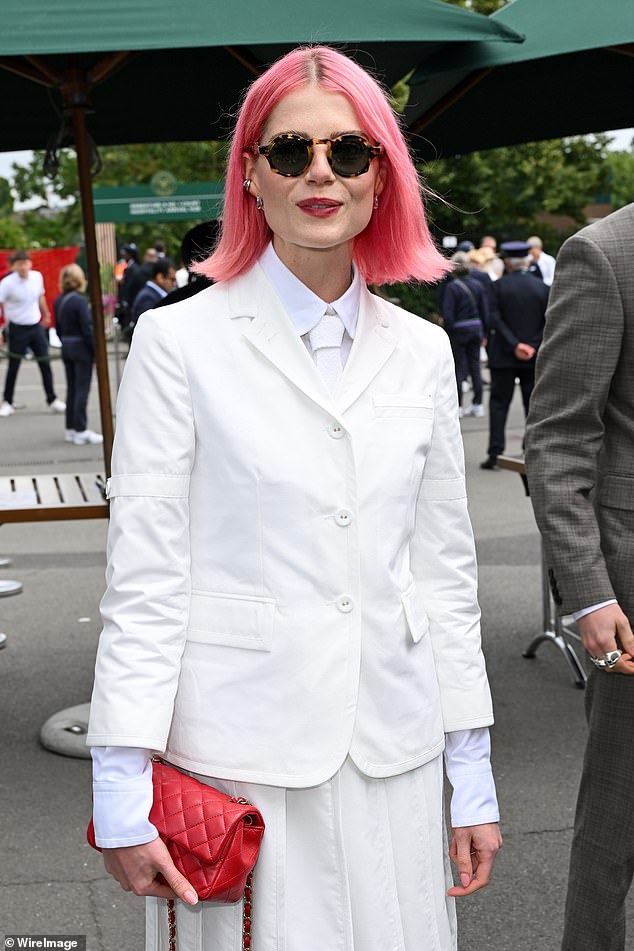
473,849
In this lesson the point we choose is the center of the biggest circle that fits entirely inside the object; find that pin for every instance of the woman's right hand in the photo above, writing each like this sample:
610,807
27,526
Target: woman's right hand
136,868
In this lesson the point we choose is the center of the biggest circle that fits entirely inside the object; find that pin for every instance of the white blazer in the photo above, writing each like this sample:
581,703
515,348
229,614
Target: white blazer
291,576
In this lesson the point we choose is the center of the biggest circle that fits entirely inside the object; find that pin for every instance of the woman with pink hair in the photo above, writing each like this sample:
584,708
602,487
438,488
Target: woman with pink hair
291,613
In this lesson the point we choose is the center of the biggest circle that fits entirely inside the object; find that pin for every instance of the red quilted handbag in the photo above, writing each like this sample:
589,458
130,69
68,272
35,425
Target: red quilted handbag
213,839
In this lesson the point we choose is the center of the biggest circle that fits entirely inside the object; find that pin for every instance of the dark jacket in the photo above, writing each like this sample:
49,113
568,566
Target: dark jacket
147,298
464,306
73,318
517,316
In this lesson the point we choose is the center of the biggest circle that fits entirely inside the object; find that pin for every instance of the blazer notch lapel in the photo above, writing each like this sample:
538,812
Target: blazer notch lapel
272,333
374,343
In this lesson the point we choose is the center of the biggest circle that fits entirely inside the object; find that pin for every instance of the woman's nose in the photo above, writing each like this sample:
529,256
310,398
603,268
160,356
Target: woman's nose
319,169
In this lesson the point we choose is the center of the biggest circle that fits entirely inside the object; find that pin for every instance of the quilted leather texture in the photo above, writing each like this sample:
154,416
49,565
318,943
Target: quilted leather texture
213,840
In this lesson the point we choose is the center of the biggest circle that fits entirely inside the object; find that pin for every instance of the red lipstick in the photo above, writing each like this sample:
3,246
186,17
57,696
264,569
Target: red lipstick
319,207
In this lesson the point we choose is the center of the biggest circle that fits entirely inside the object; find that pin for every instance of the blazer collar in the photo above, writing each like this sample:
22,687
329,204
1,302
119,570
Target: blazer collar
271,332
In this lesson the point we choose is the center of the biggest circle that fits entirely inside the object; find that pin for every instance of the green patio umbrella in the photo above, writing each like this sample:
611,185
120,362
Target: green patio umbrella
152,70
574,74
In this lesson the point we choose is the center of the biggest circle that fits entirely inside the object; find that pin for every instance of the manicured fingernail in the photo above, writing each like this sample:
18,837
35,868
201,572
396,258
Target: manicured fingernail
191,897
465,879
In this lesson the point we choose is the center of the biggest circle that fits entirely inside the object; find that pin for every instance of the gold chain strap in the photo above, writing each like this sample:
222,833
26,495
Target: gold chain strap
247,911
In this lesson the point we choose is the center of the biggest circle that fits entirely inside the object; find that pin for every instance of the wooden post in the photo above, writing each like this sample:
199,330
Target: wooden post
75,90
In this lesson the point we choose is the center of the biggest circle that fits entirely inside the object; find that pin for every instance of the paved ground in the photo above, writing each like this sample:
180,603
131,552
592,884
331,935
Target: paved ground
50,881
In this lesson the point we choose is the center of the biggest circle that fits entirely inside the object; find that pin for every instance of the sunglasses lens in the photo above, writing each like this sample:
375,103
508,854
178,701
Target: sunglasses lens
350,156
289,156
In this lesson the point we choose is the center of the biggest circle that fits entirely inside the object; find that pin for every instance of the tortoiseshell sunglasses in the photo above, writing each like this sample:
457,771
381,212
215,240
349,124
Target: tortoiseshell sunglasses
290,155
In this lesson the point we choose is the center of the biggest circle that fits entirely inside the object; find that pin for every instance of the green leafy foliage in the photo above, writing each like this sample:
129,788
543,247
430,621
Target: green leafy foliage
621,177
503,191
12,234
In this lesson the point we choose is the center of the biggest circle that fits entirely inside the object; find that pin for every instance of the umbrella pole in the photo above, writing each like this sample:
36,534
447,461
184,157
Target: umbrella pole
76,103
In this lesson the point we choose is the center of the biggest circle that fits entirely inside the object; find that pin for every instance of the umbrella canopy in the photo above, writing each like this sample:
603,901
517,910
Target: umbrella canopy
176,72
571,76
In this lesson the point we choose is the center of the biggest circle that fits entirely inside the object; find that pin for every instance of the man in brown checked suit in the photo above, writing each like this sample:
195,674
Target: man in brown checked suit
580,463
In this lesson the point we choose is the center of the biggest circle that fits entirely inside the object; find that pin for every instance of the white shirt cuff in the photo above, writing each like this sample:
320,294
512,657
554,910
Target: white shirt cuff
123,792
122,796
593,607
468,766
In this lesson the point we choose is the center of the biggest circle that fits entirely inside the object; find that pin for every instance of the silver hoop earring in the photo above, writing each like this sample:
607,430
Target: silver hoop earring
246,184
376,202
259,203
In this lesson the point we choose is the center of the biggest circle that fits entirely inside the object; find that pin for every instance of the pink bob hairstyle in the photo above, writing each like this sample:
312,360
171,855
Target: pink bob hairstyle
396,244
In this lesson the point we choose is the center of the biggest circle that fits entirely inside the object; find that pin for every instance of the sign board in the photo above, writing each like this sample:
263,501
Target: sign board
163,199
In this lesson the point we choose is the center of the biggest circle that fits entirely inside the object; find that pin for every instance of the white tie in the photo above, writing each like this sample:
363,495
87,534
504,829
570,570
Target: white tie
325,341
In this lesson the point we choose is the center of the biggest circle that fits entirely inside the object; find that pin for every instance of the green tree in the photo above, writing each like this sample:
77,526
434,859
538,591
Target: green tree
503,190
12,234
621,178
6,198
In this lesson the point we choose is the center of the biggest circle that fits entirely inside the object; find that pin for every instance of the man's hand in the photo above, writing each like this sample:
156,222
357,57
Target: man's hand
524,351
137,866
473,849
604,630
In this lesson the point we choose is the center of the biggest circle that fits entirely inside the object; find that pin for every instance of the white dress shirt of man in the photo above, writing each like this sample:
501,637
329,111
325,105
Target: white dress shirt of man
24,302
545,262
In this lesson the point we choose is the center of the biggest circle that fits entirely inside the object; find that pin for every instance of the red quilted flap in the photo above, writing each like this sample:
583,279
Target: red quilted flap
196,817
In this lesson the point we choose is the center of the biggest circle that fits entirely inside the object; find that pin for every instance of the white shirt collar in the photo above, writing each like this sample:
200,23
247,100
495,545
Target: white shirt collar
303,306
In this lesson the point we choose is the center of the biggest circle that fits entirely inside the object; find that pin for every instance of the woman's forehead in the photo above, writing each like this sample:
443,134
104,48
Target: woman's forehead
313,112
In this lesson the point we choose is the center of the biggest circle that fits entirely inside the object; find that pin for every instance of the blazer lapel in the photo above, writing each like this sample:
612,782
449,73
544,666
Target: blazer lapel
272,333
373,344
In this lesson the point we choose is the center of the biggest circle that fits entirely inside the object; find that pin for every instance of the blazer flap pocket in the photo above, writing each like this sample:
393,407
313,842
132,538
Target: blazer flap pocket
404,405
617,492
417,619
234,620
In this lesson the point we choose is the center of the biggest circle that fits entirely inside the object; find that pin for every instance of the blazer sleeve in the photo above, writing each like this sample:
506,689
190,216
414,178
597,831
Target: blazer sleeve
575,366
146,605
443,563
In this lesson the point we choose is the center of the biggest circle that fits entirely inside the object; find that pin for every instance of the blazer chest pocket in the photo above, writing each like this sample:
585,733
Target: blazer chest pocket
233,620
403,406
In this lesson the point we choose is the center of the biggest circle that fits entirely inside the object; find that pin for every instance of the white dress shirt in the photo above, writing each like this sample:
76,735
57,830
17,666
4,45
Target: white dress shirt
20,297
122,779
546,263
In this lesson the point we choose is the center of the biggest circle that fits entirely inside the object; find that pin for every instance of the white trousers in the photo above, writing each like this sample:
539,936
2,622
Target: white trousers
355,864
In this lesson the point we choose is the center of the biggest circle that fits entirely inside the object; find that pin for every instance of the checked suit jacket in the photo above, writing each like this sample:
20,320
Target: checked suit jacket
580,434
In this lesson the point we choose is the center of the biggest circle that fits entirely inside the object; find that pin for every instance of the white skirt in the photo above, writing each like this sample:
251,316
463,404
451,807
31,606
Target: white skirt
355,864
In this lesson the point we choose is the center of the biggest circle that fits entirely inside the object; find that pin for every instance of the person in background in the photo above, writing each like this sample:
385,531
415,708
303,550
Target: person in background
137,277
73,323
465,316
161,249
516,328
197,244
479,261
125,271
160,284
24,302
488,241
545,263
